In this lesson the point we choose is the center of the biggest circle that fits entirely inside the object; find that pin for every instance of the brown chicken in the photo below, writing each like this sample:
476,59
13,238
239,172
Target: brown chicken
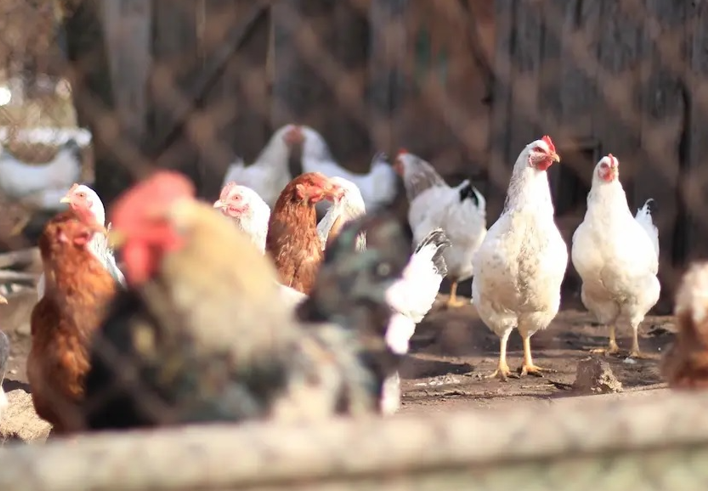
685,364
292,239
77,291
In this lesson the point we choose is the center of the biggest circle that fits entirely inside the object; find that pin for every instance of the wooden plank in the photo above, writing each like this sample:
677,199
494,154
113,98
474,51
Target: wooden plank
238,105
499,166
387,93
663,117
320,74
694,182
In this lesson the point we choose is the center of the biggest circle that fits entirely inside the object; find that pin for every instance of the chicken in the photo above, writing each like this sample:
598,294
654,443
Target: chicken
685,364
459,211
519,268
247,210
348,206
197,337
378,187
292,239
4,357
617,256
82,197
269,174
19,180
78,289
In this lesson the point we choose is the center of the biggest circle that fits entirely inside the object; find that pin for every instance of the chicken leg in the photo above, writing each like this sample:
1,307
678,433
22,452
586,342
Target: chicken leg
453,301
635,351
502,372
528,367
612,347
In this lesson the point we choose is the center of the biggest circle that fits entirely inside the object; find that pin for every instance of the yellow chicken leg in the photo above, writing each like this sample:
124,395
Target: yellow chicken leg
453,301
612,347
635,351
502,372
528,368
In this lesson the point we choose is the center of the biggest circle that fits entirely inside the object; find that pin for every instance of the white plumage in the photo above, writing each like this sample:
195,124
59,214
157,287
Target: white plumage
247,210
521,263
349,206
616,255
459,211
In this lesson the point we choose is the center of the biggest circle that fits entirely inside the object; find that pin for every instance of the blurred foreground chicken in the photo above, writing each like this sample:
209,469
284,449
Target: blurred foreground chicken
685,364
269,174
198,337
521,263
292,239
459,211
617,256
78,288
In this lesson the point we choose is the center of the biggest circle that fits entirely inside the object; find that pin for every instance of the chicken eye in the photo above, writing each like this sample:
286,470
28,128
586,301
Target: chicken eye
604,165
383,270
538,149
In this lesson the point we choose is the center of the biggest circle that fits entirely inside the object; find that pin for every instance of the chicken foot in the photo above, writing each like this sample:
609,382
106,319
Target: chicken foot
528,367
502,372
612,347
453,301
635,352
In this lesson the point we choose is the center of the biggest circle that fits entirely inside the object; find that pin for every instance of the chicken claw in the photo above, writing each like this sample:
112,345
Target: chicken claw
452,300
502,373
611,349
531,369
639,355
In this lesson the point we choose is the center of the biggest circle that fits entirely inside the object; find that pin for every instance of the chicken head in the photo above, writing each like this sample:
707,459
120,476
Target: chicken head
314,187
607,168
141,224
68,229
235,201
294,135
542,153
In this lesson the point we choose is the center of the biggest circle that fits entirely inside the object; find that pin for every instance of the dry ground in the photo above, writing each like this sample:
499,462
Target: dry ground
451,352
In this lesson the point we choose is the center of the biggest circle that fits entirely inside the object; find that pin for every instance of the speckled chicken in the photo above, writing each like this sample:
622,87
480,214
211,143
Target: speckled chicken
685,364
197,336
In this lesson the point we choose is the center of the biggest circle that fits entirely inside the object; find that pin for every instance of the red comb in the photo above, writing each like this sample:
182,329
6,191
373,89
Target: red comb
547,140
613,159
73,187
402,151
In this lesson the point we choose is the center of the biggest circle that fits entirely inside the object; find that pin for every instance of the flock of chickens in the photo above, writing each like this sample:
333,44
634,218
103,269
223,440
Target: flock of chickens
249,308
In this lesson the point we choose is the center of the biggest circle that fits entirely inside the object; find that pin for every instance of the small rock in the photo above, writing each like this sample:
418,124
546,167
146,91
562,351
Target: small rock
630,361
13,372
20,422
594,376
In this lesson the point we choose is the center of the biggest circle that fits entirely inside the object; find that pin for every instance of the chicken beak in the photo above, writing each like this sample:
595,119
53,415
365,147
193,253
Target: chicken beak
335,192
3,300
116,238
555,157
219,204
65,199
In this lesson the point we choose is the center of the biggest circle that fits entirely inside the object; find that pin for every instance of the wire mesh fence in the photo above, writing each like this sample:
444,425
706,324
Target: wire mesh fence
104,93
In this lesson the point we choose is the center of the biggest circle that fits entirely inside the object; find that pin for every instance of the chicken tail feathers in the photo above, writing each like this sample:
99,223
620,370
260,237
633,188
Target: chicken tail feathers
419,175
435,242
644,218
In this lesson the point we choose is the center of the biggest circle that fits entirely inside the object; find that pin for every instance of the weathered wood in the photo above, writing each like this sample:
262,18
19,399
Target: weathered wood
499,167
643,444
387,82
320,73
7,275
238,104
662,125
694,182
17,258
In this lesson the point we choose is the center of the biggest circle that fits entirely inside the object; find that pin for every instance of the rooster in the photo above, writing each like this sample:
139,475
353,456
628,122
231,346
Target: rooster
248,211
378,187
292,239
78,289
617,256
197,337
521,263
459,211
269,174
685,364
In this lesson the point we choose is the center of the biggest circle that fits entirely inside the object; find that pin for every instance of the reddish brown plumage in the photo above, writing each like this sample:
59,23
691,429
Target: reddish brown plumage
292,239
77,291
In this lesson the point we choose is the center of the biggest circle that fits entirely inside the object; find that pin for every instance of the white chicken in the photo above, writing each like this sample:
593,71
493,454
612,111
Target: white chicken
19,180
460,211
247,210
617,256
83,197
269,174
349,206
378,187
521,263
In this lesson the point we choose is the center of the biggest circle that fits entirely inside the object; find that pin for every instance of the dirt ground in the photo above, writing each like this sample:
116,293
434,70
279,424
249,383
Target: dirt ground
453,350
